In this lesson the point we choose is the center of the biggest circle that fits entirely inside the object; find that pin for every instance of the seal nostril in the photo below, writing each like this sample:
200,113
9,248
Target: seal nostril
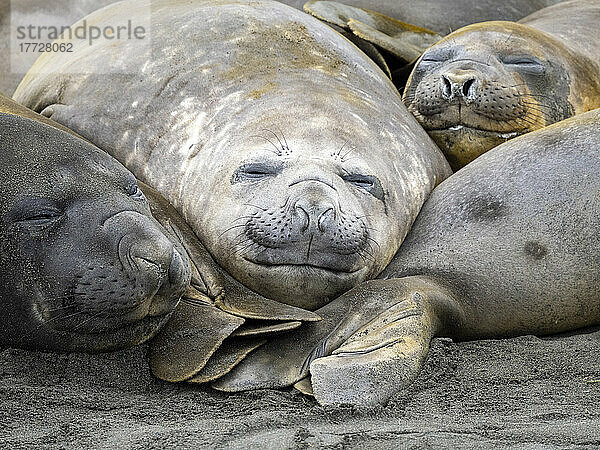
467,89
324,217
446,87
304,217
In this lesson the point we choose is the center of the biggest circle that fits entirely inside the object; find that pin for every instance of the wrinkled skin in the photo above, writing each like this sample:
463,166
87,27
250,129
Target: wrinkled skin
85,267
490,82
302,181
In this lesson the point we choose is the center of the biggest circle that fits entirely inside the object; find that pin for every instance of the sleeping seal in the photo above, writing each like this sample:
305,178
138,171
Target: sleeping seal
504,247
284,147
85,267
492,81
405,29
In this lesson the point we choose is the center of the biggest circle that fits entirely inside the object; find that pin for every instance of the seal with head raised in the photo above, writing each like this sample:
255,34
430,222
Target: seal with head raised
85,267
489,82
504,247
285,148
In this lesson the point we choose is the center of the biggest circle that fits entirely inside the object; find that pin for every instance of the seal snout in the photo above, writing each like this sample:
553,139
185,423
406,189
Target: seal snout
161,271
311,229
314,214
459,83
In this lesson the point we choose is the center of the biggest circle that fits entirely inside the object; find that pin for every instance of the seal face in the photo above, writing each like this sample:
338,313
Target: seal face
85,267
320,220
301,181
488,83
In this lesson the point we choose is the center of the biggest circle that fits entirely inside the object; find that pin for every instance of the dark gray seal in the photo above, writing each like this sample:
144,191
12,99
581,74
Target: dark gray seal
492,81
504,247
85,267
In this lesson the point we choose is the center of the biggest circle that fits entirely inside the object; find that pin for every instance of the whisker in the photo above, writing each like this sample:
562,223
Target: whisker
233,227
254,206
276,137
277,150
287,147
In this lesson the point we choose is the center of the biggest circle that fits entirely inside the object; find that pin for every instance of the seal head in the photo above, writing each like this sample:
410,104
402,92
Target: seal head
299,168
490,82
85,267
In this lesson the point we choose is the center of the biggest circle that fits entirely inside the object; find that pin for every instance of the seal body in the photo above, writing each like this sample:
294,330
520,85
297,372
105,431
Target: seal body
283,146
445,16
489,82
85,266
504,247
512,235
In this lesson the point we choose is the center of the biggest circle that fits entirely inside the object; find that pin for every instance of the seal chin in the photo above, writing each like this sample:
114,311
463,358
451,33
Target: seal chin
462,144
306,268
326,262
118,337
307,285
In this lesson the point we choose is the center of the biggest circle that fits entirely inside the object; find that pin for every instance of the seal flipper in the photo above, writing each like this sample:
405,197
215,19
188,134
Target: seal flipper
386,354
304,386
282,362
186,343
262,328
368,49
286,360
240,301
384,334
401,39
229,354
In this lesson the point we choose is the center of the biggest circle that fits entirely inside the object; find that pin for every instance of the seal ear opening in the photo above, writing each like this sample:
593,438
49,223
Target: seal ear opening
402,40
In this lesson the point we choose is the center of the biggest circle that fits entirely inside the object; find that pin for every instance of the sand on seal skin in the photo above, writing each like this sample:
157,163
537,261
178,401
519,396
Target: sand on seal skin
525,392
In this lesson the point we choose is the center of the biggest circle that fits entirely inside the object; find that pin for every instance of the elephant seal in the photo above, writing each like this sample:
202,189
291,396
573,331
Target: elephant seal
492,81
298,167
85,267
504,247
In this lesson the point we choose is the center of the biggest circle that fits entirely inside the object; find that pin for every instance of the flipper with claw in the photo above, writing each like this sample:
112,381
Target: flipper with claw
371,342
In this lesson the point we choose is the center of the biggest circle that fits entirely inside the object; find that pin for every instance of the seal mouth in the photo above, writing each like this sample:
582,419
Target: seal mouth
306,266
472,130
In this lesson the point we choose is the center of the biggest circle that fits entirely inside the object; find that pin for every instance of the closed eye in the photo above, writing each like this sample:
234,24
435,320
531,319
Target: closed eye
525,63
40,217
368,183
363,181
255,171
434,58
